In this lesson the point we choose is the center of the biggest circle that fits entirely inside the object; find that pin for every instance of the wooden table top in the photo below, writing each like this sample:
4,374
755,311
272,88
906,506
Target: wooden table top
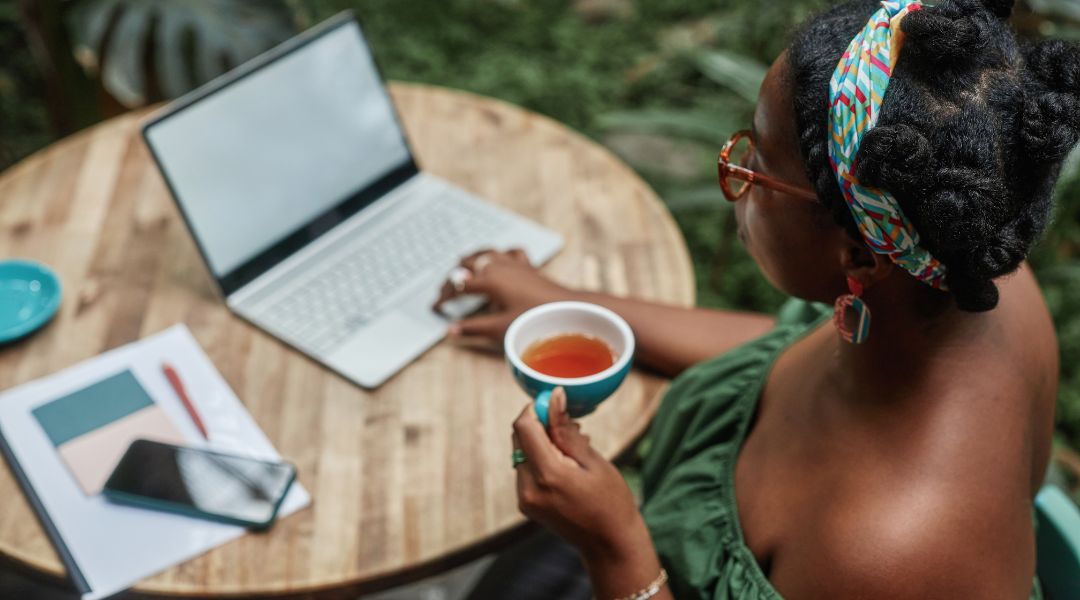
407,479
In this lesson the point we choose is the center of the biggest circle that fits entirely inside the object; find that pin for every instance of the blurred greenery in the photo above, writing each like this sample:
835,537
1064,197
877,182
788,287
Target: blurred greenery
146,49
661,82
23,120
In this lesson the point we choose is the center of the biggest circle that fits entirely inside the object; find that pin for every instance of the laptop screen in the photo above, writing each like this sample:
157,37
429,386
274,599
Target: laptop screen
268,161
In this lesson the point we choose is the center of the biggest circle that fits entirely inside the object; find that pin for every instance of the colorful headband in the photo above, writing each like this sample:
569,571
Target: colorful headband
857,92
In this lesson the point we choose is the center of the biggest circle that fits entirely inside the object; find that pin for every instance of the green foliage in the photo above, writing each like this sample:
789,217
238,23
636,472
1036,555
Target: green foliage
726,275
23,121
739,74
699,125
188,42
1057,264
537,54
1064,9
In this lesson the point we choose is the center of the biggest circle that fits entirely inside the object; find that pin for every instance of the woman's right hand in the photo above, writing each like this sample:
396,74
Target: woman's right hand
512,286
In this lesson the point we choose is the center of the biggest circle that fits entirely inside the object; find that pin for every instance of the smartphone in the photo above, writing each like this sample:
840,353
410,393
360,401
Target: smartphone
200,483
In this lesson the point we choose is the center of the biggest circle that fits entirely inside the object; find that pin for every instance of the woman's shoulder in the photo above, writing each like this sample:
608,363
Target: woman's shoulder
986,403
923,540
999,396
937,502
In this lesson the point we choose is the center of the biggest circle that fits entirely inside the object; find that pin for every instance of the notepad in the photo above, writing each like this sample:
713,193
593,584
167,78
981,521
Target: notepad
59,433
93,427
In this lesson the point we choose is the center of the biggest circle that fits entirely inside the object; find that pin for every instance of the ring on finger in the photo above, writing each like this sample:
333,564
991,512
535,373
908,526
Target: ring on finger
481,263
518,457
458,277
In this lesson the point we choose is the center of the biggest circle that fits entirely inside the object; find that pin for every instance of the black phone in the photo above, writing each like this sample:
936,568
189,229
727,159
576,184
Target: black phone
200,483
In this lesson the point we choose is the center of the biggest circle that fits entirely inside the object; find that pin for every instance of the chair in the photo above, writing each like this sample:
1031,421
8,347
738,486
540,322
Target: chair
1057,541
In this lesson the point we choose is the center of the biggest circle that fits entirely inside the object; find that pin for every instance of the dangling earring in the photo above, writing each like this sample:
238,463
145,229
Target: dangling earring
862,314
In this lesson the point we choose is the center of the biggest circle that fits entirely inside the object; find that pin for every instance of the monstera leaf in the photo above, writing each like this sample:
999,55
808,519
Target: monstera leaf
142,49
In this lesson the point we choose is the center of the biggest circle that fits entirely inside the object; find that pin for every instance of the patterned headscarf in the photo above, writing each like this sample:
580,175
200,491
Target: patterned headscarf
857,92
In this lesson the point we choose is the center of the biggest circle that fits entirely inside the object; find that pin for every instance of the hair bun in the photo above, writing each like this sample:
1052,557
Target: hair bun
1056,65
964,204
894,158
972,270
972,295
1000,257
1049,126
949,32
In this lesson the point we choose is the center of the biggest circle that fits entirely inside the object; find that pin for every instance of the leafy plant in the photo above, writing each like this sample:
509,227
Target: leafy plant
1056,261
740,74
1065,9
710,122
147,49
24,123
700,125
725,274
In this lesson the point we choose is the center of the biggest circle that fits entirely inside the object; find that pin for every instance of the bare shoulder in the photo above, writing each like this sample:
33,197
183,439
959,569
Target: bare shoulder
937,504
931,498
922,543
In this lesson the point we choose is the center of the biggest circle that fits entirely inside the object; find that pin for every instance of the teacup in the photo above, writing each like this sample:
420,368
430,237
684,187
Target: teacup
583,394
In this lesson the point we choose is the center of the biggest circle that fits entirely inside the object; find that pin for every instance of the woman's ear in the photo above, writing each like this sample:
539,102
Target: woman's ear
863,264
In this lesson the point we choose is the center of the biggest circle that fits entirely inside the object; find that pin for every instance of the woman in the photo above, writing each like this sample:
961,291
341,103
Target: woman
890,462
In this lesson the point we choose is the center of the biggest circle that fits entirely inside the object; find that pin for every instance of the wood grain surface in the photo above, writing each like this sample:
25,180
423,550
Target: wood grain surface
407,479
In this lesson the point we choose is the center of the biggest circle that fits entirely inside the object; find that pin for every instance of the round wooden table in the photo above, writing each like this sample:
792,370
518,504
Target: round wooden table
406,480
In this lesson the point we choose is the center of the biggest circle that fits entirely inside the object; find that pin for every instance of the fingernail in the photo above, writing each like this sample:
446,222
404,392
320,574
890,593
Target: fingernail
455,329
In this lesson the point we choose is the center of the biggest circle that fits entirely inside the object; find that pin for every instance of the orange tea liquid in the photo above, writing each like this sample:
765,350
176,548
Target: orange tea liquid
570,355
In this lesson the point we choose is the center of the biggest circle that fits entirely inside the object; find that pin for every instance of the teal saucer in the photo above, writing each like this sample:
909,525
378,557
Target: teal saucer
29,297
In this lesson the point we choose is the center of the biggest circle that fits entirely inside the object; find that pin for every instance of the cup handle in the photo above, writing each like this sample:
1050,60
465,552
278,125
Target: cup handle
542,402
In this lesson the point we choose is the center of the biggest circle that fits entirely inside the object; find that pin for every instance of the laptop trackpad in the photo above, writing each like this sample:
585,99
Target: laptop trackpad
381,348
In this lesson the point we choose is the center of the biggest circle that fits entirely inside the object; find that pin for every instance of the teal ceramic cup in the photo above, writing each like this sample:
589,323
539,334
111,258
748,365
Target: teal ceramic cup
583,394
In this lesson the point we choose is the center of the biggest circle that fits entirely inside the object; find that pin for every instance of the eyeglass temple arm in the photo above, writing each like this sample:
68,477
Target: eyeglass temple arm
760,179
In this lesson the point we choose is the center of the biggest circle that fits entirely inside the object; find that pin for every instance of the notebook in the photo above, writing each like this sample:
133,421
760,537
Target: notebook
61,434
92,428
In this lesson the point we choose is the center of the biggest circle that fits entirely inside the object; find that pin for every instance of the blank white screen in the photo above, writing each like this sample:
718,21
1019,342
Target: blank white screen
259,159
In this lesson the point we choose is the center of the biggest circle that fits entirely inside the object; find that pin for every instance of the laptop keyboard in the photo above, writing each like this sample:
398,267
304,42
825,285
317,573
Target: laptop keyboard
362,274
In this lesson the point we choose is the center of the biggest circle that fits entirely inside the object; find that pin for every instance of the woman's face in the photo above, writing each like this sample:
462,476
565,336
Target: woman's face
795,243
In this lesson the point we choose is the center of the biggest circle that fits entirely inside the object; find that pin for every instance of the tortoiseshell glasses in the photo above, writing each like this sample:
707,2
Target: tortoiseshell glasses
736,178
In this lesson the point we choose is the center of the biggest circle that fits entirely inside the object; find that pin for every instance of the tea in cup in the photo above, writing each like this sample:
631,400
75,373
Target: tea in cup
584,348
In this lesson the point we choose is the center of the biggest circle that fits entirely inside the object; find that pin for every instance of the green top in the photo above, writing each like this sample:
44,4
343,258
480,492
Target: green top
689,472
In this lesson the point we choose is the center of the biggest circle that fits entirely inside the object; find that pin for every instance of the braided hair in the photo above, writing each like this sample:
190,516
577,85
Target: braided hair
971,137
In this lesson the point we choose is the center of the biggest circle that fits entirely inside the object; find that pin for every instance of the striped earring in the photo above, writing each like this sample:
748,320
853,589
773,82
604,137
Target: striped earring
862,314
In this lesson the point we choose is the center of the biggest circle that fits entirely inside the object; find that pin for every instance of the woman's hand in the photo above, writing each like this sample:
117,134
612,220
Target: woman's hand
669,338
569,487
512,286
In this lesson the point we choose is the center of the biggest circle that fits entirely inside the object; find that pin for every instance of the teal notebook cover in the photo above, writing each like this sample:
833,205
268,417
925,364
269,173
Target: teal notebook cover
92,407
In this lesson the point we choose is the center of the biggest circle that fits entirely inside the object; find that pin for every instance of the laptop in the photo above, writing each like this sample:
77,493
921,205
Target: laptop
299,186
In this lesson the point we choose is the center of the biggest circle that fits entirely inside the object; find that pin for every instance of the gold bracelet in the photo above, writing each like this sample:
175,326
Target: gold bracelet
650,590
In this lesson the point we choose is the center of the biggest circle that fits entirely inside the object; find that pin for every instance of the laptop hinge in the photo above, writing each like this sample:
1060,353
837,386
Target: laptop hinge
377,209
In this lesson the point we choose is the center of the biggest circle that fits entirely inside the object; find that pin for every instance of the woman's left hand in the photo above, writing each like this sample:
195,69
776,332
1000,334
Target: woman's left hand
569,487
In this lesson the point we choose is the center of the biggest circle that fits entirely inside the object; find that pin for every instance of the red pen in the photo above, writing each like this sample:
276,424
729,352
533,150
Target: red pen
178,386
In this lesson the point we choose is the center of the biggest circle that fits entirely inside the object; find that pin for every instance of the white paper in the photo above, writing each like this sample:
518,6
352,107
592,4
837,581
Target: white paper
116,546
